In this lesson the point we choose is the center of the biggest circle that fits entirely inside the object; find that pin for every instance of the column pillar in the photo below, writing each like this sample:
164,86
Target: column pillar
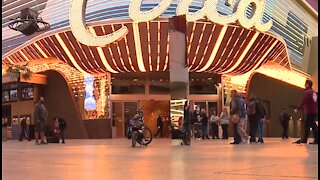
179,74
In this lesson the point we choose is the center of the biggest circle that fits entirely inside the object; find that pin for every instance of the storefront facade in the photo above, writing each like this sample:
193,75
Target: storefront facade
106,84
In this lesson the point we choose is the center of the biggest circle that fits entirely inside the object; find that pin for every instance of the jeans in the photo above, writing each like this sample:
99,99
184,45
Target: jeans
204,130
310,122
244,136
214,128
245,123
253,122
224,131
237,138
62,134
285,125
260,129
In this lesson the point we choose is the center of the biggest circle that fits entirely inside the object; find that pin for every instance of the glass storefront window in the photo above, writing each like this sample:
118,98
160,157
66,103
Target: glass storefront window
13,95
27,93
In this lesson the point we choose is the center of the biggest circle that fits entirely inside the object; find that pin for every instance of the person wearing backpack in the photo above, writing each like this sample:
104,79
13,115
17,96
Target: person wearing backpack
310,106
253,117
242,121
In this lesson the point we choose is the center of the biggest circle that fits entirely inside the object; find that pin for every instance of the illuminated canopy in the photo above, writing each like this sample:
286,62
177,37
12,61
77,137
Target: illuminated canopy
211,48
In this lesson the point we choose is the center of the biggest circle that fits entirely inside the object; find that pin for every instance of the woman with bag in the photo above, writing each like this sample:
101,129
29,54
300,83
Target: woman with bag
214,121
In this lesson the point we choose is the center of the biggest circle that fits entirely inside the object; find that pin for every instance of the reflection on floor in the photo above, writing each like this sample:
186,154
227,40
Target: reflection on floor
163,159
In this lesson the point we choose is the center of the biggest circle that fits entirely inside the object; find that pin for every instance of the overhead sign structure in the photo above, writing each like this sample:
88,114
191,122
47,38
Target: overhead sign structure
209,11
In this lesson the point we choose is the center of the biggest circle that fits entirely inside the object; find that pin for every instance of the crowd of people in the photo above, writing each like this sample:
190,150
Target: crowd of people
253,111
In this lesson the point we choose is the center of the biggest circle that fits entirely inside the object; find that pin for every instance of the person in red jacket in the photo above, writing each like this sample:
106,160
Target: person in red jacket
310,106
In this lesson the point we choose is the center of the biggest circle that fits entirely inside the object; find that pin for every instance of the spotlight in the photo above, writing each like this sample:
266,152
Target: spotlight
27,22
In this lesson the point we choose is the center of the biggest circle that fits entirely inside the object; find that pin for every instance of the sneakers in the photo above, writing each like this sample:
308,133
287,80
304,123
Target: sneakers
235,143
313,143
37,142
299,142
43,142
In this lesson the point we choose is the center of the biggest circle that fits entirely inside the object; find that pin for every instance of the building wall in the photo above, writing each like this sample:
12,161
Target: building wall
280,95
59,102
313,66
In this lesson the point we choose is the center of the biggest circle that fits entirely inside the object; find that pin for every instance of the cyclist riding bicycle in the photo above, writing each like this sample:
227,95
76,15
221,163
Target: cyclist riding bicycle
136,124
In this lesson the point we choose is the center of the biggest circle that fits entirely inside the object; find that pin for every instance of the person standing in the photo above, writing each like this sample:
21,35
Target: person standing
186,125
253,117
284,121
243,114
214,122
23,132
224,120
204,124
159,126
262,118
62,127
309,104
40,115
235,111
196,122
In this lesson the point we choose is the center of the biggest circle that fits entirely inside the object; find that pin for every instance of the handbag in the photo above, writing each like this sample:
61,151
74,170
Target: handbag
235,118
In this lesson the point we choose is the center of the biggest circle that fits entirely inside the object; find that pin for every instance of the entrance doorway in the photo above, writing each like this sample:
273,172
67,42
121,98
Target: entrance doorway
122,111
209,106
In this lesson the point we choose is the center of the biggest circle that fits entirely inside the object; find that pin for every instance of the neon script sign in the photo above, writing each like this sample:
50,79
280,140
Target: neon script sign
209,10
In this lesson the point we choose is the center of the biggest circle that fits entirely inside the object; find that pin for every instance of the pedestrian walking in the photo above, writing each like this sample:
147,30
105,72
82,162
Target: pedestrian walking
253,117
309,104
235,112
159,126
241,124
284,121
262,119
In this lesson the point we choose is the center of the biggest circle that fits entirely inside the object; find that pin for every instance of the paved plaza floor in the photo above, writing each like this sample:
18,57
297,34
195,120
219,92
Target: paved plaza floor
163,159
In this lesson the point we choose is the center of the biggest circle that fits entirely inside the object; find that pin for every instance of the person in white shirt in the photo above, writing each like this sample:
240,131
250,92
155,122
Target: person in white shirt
214,121
224,120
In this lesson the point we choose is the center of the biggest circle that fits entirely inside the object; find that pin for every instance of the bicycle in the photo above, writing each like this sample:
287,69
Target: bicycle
138,132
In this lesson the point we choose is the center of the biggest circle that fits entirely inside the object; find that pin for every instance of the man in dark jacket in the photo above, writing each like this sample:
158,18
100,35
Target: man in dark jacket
310,106
235,106
284,120
204,124
253,117
62,127
262,118
159,126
